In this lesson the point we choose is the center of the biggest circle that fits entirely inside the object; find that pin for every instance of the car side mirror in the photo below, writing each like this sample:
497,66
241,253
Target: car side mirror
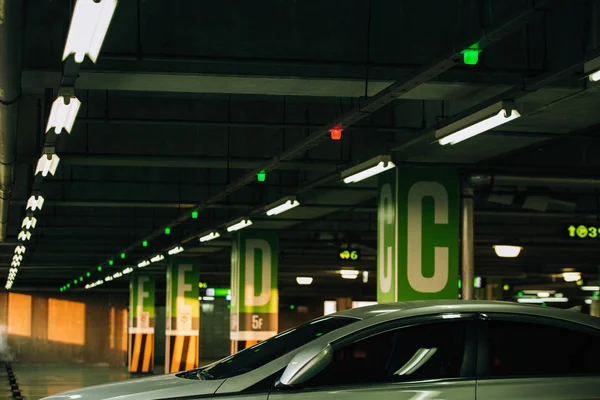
306,364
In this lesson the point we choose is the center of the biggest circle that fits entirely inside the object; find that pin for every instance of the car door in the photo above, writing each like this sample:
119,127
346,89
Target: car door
414,359
524,357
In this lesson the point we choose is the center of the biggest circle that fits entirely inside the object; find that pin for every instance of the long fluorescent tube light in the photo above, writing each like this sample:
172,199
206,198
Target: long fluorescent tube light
127,270
24,236
304,280
571,276
349,273
209,236
47,163
282,206
108,279
143,264
89,25
29,223
117,275
590,288
479,122
505,251
368,169
157,258
239,224
175,250
63,114
535,300
35,203
20,249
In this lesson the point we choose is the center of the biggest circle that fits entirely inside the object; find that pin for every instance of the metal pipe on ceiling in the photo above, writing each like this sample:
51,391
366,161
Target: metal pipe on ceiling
516,180
11,30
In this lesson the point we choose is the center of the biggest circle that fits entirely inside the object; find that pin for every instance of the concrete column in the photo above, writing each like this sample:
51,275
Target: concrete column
418,234
182,315
595,308
343,303
467,248
254,295
141,324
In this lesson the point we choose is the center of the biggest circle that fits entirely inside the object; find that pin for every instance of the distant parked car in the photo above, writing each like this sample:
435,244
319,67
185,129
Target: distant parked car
427,350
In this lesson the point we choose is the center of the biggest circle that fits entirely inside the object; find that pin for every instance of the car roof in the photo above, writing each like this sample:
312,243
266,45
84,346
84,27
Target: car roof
422,307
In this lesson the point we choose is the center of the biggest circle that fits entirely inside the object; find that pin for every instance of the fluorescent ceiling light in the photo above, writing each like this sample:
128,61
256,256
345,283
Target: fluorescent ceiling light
210,236
349,273
24,236
591,288
368,169
479,122
35,203
208,298
239,224
304,280
18,258
365,276
108,279
47,163
157,258
282,206
175,250
62,115
591,69
29,223
505,251
20,249
535,300
571,276
15,264
127,270
588,301
89,25
117,275
143,264
543,294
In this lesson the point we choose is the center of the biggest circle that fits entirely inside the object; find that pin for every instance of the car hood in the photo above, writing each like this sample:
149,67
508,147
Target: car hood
156,387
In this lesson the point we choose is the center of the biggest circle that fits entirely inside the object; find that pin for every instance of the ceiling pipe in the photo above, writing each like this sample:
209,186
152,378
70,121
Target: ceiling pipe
516,180
11,30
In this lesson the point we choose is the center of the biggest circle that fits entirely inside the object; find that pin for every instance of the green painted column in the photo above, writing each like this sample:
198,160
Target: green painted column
182,315
417,234
141,324
254,295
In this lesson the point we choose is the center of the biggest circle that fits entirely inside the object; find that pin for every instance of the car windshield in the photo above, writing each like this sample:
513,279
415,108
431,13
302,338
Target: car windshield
273,348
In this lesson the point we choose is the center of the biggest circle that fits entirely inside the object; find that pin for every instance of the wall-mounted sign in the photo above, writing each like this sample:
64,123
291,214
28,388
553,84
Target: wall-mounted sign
583,232
349,255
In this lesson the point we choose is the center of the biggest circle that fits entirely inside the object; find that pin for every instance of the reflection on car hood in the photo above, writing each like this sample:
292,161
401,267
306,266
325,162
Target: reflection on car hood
156,387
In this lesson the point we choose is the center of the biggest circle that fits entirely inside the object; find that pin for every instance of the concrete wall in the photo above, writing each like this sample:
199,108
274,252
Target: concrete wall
70,329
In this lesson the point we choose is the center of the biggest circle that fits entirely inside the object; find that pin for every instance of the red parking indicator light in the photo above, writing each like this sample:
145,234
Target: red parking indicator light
336,132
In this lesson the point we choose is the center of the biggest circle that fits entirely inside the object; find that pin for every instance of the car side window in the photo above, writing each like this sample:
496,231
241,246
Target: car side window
418,352
518,349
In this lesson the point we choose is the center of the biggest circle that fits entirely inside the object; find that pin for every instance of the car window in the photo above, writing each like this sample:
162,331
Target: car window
275,347
533,349
419,352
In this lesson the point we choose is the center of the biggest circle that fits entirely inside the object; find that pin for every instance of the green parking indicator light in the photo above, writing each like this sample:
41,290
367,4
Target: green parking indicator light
167,231
471,55
596,295
75,281
229,306
261,176
111,262
68,285
194,214
520,294
292,306
123,255
81,279
543,304
88,274
145,243
99,268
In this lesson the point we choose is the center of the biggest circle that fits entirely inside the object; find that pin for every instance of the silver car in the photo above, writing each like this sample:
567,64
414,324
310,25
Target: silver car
426,350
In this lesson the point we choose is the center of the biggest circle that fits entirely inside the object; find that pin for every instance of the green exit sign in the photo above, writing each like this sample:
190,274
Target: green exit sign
349,255
583,232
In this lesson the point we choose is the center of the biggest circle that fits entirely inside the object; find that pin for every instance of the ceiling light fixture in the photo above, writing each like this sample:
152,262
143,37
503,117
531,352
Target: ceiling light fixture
368,169
47,163
143,264
175,250
20,249
282,206
349,273
157,258
304,280
24,236
63,113
88,28
238,224
35,203
591,69
18,258
571,276
506,251
127,270
479,122
590,288
536,300
206,237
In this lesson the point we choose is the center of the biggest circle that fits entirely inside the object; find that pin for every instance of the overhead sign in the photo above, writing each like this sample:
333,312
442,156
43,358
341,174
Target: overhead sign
349,255
583,232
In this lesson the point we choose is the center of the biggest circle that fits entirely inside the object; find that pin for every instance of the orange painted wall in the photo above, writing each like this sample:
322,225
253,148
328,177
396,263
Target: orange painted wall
67,329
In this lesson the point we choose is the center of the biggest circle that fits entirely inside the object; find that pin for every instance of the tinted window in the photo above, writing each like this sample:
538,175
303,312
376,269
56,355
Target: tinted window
522,349
271,349
429,351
